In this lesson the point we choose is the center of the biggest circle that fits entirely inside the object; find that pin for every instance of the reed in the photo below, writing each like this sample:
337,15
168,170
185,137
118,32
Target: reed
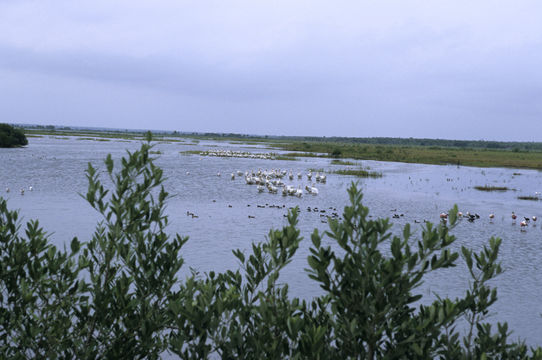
342,162
491,188
533,198
359,173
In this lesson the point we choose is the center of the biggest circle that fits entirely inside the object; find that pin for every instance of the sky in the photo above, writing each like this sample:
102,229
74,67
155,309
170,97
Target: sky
424,69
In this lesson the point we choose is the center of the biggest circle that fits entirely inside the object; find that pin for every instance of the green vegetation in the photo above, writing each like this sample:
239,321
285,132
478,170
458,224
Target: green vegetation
190,152
491,188
418,154
342,162
427,151
119,295
11,137
359,173
283,157
533,198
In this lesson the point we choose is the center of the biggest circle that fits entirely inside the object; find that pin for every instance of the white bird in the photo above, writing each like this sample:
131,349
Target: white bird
30,188
7,189
232,176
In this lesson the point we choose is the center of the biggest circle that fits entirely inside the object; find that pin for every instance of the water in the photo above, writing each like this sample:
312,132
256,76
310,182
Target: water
55,168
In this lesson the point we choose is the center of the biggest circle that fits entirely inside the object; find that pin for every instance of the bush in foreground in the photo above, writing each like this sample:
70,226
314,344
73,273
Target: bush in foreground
118,295
11,137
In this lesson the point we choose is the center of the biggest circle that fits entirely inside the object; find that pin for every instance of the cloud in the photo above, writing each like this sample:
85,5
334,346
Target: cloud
361,68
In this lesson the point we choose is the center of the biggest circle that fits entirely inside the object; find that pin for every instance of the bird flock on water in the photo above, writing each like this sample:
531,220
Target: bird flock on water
239,154
21,190
273,181
473,217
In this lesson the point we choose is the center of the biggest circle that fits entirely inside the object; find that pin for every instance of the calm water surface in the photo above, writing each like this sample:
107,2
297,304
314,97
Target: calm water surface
55,168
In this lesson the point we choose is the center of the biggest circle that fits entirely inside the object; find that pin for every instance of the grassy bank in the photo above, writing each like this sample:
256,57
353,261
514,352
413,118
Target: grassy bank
418,154
491,188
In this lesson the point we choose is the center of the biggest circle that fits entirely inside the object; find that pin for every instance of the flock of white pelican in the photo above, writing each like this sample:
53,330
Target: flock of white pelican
238,154
272,181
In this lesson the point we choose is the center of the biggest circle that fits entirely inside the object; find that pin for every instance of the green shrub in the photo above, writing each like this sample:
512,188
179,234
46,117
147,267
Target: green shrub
11,137
119,295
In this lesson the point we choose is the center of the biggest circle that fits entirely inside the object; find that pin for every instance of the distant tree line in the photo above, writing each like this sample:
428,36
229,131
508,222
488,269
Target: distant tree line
11,137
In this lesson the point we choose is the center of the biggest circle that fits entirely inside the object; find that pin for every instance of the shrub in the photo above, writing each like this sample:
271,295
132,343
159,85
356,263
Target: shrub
336,152
118,295
11,137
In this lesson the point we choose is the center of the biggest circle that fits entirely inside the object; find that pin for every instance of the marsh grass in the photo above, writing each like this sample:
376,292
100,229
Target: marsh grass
190,152
533,198
491,188
283,157
342,162
418,154
363,173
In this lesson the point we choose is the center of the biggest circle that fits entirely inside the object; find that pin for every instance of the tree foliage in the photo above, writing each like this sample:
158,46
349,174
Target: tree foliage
11,137
119,296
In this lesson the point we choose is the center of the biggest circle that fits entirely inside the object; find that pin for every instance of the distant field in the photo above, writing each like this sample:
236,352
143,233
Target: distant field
420,154
424,151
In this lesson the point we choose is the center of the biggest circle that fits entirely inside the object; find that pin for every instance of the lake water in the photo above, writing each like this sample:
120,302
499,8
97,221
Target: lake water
55,167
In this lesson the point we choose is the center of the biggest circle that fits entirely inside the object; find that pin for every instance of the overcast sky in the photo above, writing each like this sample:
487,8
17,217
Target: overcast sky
438,69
